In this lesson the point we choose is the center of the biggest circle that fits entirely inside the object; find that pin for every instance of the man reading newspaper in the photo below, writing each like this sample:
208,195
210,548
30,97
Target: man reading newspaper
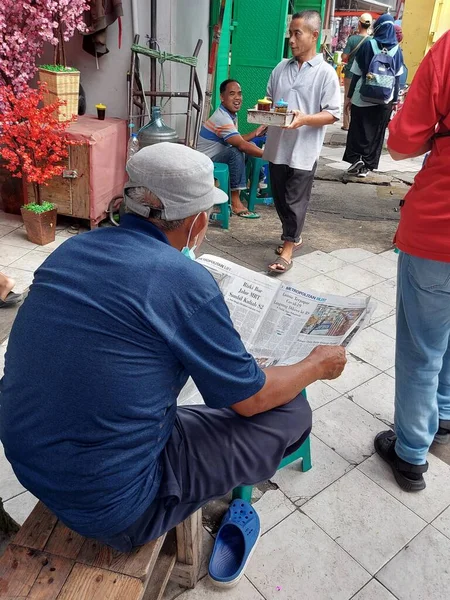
99,353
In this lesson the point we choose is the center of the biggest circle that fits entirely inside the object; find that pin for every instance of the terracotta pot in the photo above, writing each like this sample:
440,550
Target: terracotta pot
40,228
11,193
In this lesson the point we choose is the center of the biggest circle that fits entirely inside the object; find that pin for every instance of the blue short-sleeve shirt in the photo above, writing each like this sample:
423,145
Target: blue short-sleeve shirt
114,323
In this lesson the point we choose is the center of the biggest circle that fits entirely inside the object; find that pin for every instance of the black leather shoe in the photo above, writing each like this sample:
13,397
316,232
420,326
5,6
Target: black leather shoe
408,476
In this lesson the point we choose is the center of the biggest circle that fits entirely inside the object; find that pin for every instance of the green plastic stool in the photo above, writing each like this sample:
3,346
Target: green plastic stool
244,492
222,174
251,196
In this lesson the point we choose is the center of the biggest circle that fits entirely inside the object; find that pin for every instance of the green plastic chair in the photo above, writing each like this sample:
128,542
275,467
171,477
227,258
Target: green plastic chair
222,174
251,195
244,492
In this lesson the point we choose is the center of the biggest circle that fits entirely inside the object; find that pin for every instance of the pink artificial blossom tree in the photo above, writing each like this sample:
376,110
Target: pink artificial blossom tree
25,25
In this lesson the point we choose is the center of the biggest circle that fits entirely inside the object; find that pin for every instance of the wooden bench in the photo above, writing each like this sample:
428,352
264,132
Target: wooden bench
48,561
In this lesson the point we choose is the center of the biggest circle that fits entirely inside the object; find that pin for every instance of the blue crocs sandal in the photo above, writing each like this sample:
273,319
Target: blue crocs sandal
235,543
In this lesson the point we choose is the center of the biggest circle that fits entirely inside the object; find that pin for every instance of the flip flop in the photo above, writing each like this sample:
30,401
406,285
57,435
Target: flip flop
279,249
11,299
235,543
246,214
283,263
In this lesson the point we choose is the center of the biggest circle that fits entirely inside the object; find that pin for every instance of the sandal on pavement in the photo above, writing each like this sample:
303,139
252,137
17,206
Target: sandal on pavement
408,476
11,299
280,262
279,249
235,543
246,214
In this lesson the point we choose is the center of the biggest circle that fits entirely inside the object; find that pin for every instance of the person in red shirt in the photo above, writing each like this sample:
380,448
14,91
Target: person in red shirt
422,370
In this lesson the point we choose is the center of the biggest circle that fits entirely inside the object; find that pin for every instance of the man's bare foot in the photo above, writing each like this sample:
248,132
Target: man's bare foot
6,286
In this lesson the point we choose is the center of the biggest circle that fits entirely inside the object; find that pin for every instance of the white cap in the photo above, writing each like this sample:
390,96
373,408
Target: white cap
181,178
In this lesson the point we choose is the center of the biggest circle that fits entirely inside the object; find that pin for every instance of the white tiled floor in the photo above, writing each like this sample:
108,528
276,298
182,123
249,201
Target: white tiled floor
343,530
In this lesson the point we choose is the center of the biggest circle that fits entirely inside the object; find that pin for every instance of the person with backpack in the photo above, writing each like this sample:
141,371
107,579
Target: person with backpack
422,365
374,89
354,43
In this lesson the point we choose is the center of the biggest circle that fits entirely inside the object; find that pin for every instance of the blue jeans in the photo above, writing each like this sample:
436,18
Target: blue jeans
422,363
235,159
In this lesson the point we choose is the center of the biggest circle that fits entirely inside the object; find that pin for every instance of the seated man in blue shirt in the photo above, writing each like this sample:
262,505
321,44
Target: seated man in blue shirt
115,322
221,141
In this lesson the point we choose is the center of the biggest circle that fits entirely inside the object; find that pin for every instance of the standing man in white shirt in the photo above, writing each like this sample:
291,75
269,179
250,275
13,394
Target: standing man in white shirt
311,88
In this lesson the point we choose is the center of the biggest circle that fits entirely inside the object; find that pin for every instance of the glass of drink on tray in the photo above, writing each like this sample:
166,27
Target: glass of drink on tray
265,104
101,111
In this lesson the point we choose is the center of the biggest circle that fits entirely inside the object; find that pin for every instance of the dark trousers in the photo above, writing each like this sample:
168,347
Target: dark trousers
366,134
210,452
291,190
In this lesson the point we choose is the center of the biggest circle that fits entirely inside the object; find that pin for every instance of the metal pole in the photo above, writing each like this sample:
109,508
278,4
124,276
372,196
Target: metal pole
153,47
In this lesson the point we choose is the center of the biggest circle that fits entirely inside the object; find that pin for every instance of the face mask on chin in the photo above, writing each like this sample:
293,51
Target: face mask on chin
190,252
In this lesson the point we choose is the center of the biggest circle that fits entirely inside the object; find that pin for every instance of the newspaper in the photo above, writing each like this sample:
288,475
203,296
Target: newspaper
279,323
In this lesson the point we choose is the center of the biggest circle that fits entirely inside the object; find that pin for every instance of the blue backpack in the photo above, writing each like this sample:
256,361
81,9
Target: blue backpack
379,83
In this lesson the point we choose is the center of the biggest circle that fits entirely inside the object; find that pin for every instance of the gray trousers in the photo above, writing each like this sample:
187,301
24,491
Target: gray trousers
210,452
291,193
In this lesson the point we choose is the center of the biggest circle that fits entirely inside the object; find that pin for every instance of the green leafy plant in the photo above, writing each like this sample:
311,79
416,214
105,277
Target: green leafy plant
59,68
39,208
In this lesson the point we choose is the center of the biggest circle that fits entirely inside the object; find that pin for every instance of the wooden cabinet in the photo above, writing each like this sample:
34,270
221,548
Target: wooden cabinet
95,170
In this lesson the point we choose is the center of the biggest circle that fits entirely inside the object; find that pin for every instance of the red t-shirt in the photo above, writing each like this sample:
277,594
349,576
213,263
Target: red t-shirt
424,228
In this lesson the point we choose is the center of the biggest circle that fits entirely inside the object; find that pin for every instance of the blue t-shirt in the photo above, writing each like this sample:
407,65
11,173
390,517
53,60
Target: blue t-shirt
114,323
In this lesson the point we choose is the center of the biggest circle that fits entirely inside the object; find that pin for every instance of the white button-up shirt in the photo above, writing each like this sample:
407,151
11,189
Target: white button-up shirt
312,88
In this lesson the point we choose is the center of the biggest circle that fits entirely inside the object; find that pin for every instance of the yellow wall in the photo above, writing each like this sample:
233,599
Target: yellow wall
423,22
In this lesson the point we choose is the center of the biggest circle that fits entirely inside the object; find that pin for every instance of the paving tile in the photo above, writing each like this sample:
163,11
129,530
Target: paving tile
22,278
374,591
5,229
380,265
384,292
355,277
442,523
173,590
319,393
48,248
387,326
21,506
391,372
430,502
347,428
326,285
301,487
298,274
352,255
375,348
10,253
301,559
382,310
205,590
9,484
390,255
364,519
421,570
320,261
10,220
376,396
31,261
355,373
272,508
18,237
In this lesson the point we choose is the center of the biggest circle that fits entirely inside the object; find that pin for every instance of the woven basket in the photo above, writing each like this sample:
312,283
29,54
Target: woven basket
62,86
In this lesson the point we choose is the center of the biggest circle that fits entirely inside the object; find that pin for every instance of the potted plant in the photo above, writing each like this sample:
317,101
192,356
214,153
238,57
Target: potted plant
63,82
34,146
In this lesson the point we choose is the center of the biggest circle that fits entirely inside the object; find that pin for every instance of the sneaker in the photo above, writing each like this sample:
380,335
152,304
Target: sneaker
408,476
363,172
355,167
443,433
